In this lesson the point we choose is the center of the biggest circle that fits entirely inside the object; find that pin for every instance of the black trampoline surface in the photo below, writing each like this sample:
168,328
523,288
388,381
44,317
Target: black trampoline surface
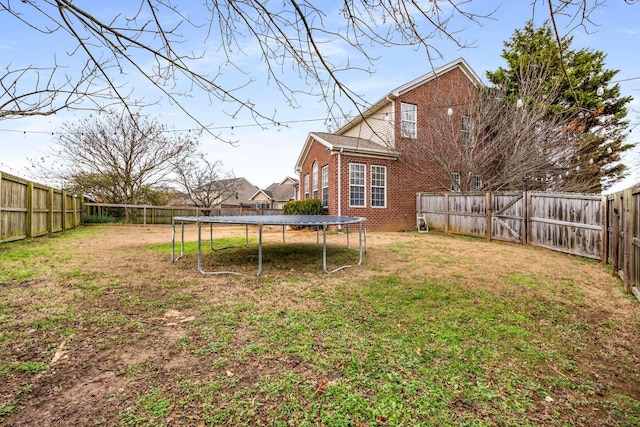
317,220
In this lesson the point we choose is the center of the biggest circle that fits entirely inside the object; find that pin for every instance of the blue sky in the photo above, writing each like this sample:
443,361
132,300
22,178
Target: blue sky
268,155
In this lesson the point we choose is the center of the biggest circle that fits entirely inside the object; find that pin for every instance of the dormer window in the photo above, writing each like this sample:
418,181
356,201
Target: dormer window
408,123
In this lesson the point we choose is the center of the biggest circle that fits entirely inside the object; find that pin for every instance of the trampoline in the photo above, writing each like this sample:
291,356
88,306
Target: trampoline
317,221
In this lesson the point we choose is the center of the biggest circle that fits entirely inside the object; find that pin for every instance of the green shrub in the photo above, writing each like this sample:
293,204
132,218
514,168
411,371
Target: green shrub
102,219
304,207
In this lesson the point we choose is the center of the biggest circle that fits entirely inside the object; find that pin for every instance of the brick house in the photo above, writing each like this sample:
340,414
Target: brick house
359,170
276,195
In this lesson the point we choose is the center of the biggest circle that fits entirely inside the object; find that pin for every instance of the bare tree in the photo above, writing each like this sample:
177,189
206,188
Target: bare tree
204,181
497,141
156,42
116,158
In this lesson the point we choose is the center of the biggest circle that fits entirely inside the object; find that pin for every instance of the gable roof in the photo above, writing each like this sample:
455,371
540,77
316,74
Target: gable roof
345,144
265,193
288,181
400,90
458,63
279,192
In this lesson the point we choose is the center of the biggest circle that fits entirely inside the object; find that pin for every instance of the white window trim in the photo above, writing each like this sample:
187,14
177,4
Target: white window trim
314,180
477,179
456,182
306,186
413,120
385,186
364,185
467,132
324,175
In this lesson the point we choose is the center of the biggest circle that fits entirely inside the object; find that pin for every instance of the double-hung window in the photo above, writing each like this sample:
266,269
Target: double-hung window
306,186
467,132
314,180
408,120
325,186
357,182
477,183
455,181
378,186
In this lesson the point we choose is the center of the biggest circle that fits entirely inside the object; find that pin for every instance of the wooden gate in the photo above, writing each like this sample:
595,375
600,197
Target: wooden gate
507,217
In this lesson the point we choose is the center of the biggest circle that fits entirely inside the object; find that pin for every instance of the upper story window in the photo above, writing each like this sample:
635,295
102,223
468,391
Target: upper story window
306,186
455,181
378,186
357,180
467,132
408,122
477,183
325,186
314,180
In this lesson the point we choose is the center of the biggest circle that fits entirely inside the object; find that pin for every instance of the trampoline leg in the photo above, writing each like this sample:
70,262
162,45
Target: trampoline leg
324,247
259,249
348,244
175,258
199,248
173,240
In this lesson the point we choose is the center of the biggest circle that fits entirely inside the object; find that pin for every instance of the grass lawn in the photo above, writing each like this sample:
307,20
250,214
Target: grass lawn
99,327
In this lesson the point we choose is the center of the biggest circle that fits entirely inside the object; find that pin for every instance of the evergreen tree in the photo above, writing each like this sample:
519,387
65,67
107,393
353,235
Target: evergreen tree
582,90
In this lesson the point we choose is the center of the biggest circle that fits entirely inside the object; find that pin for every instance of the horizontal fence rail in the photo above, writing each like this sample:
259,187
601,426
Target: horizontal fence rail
150,215
28,209
606,228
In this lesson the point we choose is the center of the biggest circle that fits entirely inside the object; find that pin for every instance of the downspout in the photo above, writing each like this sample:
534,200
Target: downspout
296,193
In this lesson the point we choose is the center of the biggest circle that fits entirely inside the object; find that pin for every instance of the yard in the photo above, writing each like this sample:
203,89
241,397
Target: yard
98,327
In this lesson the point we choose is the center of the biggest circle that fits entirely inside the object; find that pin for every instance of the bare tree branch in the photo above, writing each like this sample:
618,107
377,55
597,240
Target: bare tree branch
170,46
204,182
114,158
292,33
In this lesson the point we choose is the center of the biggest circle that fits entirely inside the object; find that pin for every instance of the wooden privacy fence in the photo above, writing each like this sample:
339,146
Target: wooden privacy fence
28,209
606,228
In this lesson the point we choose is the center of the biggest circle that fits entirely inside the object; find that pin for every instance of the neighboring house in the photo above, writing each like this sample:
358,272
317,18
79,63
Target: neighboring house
239,194
276,195
359,171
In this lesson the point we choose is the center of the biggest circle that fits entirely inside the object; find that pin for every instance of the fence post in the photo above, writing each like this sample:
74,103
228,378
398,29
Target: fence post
446,213
64,211
627,228
1,236
525,218
604,238
615,232
489,212
28,219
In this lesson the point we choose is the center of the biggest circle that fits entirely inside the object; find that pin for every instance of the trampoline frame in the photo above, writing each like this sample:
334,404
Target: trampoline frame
318,221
